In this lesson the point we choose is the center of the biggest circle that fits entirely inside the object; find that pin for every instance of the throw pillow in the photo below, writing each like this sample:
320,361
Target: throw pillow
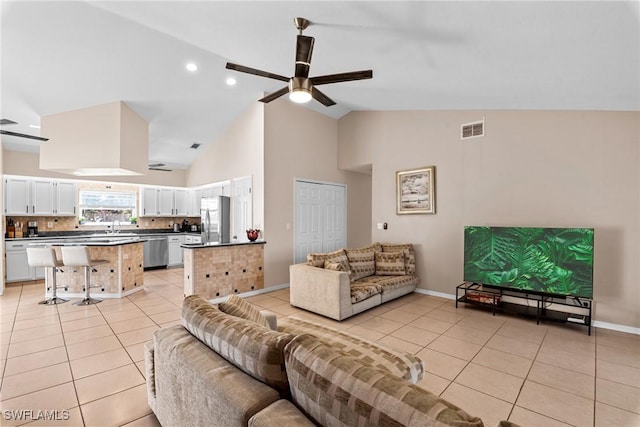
236,306
361,262
409,255
257,351
318,259
334,266
390,264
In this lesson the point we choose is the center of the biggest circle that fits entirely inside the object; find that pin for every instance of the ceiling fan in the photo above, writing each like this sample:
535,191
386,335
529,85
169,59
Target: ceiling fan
159,167
4,122
301,87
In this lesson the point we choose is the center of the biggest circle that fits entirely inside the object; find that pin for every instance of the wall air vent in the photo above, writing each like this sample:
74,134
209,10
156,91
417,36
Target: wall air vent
472,130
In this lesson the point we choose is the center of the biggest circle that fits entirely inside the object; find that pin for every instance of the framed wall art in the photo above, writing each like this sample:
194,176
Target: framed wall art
415,191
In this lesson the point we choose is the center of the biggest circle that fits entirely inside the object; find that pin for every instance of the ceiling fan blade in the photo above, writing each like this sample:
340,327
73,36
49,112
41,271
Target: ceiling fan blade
275,95
256,72
304,50
322,98
23,135
342,77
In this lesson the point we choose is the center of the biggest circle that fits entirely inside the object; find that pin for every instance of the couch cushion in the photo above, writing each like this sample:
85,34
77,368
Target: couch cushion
334,388
280,414
256,350
362,261
318,259
362,291
403,365
238,307
409,255
390,264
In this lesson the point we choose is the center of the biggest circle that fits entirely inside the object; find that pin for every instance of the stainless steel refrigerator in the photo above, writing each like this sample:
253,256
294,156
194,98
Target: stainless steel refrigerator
215,219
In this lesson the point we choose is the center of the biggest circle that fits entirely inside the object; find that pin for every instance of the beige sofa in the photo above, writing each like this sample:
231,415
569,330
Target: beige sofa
223,370
346,282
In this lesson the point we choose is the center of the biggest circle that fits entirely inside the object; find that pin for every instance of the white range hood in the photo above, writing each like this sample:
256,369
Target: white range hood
104,140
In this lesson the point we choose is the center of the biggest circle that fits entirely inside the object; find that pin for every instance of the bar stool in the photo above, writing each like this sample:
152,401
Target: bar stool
78,256
46,257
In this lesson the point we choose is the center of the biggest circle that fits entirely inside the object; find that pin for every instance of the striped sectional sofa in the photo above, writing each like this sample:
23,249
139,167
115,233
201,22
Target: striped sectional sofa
346,282
219,369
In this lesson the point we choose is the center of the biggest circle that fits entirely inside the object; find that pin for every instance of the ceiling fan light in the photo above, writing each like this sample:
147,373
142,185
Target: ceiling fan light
300,96
300,90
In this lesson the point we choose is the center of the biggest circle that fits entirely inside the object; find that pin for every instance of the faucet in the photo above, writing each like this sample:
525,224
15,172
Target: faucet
116,222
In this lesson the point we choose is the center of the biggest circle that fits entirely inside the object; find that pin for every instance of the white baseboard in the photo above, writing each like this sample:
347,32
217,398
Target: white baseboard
435,293
616,327
594,323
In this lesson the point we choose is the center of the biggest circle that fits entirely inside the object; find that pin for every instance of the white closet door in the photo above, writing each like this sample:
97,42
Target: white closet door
320,224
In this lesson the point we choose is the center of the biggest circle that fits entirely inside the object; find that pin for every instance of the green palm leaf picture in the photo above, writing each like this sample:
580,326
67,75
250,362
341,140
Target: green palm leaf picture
555,261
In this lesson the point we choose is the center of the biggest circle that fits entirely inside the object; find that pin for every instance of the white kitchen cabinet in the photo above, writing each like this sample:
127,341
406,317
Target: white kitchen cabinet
17,267
39,197
66,198
181,202
196,198
190,238
165,201
175,251
17,193
148,201
42,197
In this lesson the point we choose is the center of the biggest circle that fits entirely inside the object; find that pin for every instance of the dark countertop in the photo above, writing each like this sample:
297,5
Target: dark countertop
216,244
90,241
54,235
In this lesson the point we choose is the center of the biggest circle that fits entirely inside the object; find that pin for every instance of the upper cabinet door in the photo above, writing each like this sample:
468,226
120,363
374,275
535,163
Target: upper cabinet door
196,201
66,198
17,193
42,197
165,202
181,206
149,201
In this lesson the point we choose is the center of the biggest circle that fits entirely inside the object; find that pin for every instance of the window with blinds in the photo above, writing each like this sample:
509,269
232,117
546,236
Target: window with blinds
106,207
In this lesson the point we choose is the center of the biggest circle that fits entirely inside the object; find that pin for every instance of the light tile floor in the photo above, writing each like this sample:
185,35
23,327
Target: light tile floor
89,360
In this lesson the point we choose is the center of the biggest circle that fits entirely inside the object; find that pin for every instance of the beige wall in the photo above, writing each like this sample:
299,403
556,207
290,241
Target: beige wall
300,143
238,152
532,168
28,164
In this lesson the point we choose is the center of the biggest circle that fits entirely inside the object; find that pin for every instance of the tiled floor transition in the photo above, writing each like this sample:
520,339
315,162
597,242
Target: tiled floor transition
84,365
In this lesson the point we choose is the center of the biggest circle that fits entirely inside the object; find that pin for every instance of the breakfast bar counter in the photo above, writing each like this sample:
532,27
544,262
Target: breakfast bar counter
122,275
214,270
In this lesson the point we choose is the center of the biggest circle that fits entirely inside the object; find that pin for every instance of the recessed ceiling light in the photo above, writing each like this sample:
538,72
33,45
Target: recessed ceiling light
191,67
231,81
34,126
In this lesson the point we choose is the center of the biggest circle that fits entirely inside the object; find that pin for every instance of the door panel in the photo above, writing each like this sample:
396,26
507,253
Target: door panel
320,218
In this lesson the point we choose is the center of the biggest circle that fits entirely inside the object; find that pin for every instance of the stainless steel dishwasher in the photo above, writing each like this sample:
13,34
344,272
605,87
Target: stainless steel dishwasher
156,252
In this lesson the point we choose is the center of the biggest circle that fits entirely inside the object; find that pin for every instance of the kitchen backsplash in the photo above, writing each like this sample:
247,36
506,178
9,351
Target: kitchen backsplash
70,223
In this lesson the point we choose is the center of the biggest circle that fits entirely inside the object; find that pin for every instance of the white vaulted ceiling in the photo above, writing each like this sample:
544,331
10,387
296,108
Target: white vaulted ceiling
60,56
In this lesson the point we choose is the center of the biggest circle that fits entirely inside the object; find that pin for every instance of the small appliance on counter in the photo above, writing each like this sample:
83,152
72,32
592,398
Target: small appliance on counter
32,229
185,225
176,227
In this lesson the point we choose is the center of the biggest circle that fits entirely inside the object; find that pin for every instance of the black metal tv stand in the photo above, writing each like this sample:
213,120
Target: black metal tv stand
547,307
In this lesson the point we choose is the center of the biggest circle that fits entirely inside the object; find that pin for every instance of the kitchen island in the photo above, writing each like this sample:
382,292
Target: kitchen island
122,275
214,270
